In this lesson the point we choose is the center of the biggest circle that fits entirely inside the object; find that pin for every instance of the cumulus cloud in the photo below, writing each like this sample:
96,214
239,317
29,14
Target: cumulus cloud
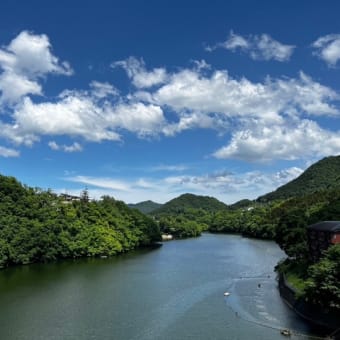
168,103
265,143
75,147
75,115
189,90
81,114
327,48
140,77
27,58
7,152
145,120
259,47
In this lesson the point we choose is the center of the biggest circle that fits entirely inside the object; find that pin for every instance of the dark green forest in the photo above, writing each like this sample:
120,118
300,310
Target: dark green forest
39,226
187,215
323,175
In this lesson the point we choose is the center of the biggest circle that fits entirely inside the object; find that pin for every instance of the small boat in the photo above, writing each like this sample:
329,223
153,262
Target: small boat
286,332
226,294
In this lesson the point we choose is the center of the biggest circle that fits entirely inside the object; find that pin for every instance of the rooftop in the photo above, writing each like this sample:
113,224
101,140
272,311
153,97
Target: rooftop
333,226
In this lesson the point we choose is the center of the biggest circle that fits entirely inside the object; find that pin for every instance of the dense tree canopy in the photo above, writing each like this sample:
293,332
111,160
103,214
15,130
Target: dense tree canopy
38,225
322,175
323,283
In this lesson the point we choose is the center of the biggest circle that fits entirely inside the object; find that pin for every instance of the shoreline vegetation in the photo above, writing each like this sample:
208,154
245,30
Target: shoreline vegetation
40,226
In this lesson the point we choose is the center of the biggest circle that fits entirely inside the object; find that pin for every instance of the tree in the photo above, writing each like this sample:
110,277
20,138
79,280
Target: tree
322,286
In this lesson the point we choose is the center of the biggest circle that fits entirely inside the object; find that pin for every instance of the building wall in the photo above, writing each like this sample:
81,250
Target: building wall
335,238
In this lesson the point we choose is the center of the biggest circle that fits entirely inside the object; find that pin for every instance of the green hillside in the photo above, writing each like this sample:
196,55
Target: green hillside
325,174
187,215
245,203
145,207
39,226
190,201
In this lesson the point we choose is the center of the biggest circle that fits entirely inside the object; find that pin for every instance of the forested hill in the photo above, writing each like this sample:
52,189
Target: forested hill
39,226
145,207
187,215
190,201
325,174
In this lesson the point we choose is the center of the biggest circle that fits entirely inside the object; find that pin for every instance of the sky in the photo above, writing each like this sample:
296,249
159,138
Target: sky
151,99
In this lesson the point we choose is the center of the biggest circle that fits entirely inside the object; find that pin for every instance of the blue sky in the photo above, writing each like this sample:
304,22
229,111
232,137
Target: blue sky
151,99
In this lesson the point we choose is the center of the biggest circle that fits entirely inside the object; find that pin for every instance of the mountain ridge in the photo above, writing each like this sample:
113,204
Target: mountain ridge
145,207
324,174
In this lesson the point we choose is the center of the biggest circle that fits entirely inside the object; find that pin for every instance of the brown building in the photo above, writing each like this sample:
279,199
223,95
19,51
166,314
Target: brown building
322,235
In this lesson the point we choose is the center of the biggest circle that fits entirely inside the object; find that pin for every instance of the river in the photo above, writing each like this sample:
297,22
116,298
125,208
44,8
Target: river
172,292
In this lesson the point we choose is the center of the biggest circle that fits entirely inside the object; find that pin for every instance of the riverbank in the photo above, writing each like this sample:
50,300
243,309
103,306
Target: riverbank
326,319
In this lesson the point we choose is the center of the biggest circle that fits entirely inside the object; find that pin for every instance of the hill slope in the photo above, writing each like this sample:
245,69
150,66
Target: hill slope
39,226
190,201
324,174
145,207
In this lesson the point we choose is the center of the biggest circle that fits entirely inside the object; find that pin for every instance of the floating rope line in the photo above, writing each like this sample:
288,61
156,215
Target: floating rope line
281,329
277,328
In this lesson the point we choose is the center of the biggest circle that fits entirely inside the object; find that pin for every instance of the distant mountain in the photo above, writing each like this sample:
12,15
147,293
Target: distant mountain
241,204
324,174
145,207
190,201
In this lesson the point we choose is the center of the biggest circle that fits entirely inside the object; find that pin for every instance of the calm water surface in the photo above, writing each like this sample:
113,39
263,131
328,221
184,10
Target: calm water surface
173,292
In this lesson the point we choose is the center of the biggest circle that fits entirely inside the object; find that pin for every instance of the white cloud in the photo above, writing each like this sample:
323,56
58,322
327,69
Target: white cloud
259,47
81,114
327,48
233,42
201,65
14,86
164,167
145,120
226,186
268,142
140,77
166,103
106,183
103,90
7,152
75,115
53,145
221,97
27,58
75,147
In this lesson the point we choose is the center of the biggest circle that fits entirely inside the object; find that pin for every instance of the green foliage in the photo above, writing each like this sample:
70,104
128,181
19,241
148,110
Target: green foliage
254,221
318,283
295,214
245,203
322,175
145,207
189,223
187,215
38,226
322,285
190,201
